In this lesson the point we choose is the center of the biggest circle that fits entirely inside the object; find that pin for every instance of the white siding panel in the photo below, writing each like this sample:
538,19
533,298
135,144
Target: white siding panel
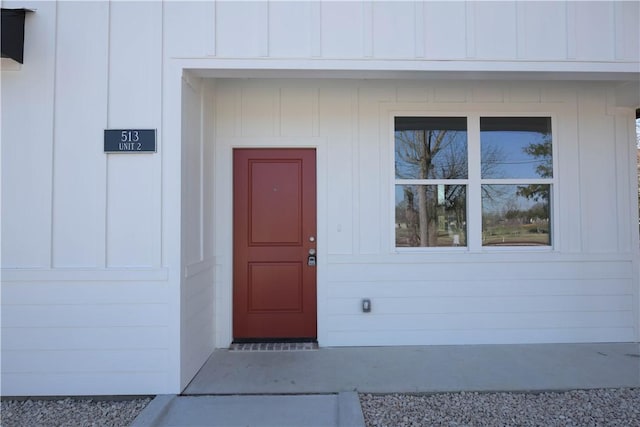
597,154
482,288
542,33
197,293
465,305
298,111
495,30
83,292
568,232
337,116
85,316
625,148
457,93
241,29
342,29
133,190
370,181
594,35
522,92
290,29
445,30
197,324
95,338
480,336
627,30
479,321
133,210
407,92
227,110
187,28
451,271
487,92
85,383
79,170
394,30
192,146
260,111
209,129
90,361
27,144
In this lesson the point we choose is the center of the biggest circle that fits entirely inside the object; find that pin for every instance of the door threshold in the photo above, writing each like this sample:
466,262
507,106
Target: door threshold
273,346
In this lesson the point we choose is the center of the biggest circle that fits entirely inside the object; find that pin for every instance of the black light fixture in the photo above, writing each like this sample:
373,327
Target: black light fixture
12,37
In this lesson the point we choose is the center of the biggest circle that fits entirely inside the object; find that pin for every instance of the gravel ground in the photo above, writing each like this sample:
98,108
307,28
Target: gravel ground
604,407
70,412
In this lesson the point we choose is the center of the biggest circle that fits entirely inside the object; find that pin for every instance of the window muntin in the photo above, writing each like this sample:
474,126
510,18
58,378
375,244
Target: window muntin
431,170
511,178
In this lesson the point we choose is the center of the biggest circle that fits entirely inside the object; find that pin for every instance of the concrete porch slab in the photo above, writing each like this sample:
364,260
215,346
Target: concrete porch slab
421,369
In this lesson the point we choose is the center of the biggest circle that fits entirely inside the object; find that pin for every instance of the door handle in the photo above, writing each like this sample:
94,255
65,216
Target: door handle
311,259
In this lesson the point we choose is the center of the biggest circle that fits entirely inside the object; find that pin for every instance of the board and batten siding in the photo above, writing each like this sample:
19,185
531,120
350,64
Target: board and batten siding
116,269
85,290
431,30
582,290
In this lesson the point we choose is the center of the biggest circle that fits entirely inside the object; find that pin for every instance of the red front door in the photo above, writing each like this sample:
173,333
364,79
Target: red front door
274,230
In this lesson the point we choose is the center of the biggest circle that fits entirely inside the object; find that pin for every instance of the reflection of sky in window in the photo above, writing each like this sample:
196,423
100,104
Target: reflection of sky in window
503,154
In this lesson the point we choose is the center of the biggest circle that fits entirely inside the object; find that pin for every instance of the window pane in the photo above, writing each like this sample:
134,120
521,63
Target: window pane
431,215
516,147
516,215
431,147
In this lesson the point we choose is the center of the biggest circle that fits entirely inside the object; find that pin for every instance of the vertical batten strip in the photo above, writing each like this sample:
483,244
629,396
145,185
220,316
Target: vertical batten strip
105,261
53,139
367,29
617,36
211,40
471,29
101,244
316,29
521,30
419,29
354,142
201,169
315,112
572,45
265,29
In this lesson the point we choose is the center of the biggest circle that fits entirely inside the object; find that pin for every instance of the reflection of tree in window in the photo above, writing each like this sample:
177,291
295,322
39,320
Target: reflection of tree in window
517,214
542,152
427,149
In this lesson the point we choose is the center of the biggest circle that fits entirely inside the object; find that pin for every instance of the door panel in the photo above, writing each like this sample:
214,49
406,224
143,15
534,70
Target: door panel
274,211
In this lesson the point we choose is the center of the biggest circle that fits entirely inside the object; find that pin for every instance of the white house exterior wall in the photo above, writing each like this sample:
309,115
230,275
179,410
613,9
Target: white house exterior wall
582,290
116,268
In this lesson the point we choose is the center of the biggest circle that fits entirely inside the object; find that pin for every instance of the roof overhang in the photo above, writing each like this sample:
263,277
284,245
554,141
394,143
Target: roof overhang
623,76
12,37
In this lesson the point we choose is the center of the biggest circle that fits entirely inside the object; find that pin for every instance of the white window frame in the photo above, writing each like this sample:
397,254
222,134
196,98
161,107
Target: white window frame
474,182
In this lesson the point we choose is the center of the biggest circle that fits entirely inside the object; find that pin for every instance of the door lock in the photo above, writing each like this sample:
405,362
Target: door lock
311,259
